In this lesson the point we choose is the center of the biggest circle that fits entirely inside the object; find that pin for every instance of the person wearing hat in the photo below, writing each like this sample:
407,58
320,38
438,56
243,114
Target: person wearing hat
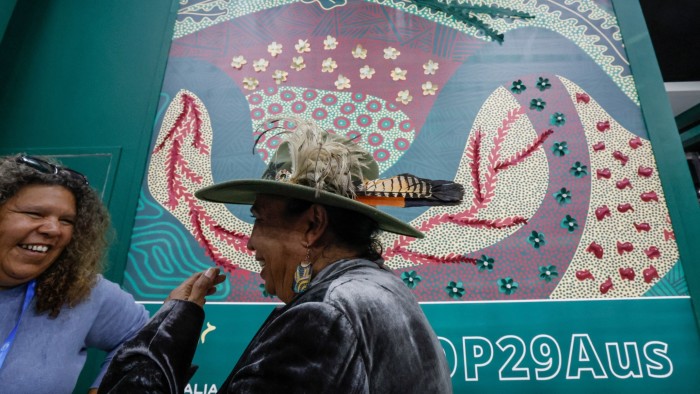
348,324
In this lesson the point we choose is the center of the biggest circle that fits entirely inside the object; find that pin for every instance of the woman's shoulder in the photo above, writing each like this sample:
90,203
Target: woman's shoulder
109,295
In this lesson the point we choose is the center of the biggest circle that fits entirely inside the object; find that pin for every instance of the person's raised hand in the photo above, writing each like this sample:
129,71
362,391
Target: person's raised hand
198,286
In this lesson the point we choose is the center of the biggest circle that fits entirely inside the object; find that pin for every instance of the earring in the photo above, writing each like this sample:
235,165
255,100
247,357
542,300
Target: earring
302,275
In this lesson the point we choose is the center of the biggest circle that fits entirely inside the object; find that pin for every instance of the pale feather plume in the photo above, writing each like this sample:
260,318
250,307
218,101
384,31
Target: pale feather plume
322,160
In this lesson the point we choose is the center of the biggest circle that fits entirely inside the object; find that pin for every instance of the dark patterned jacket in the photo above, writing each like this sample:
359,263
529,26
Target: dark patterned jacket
357,329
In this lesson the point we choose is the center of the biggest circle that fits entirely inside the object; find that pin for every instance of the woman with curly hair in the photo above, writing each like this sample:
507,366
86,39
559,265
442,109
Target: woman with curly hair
54,303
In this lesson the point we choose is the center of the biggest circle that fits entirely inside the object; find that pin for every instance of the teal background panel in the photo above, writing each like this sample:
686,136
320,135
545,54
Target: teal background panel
497,347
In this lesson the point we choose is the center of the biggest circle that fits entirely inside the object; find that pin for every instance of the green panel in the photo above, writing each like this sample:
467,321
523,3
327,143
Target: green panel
691,136
79,74
84,74
6,8
688,118
673,169
515,347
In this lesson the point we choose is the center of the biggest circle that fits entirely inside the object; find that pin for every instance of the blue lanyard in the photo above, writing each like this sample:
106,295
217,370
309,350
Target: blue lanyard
28,295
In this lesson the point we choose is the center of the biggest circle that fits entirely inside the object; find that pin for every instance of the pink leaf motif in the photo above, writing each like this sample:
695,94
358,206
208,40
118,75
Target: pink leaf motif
606,286
484,192
603,173
424,258
627,273
621,157
189,123
623,247
669,234
596,249
584,274
642,227
474,153
623,184
622,208
652,252
635,142
645,171
602,212
582,98
491,224
650,274
525,153
649,196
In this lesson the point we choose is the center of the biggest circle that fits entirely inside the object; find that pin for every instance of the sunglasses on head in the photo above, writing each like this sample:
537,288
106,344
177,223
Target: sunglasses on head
45,167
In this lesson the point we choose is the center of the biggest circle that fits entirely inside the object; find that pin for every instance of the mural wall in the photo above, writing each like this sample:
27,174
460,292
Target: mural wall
531,105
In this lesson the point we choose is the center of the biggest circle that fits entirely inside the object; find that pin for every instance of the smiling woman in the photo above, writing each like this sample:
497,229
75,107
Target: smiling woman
53,300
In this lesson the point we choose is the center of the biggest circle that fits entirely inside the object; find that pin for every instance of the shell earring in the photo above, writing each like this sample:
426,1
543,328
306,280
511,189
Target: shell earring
302,275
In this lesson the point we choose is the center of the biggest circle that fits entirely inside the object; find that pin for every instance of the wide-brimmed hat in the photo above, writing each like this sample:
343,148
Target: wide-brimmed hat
315,165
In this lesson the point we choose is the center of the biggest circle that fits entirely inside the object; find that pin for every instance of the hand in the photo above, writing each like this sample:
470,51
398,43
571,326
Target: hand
198,286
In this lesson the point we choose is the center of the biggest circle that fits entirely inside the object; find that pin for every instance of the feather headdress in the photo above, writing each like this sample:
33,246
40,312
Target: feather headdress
319,159
319,166
332,163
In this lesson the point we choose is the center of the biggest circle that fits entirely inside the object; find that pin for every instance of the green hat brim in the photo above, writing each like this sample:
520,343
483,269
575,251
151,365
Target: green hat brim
245,191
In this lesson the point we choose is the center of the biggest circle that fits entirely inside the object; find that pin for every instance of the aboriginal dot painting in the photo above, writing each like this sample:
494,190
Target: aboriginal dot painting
530,104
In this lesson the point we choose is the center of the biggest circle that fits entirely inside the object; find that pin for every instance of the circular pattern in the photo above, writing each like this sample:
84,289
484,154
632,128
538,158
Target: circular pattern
299,107
288,95
274,109
329,99
255,99
273,142
406,126
309,95
401,144
319,114
381,155
270,90
359,97
386,124
347,108
391,107
341,122
375,139
364,120
353,135
257,114
373,106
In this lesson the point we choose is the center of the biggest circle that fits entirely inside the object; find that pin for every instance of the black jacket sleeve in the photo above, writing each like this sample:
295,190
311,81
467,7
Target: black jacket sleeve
158,359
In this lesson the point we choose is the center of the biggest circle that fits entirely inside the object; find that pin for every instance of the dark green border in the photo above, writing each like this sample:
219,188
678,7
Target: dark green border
683,207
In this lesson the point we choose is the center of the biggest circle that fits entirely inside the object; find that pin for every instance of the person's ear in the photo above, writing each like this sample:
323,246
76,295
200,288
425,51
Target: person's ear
317,219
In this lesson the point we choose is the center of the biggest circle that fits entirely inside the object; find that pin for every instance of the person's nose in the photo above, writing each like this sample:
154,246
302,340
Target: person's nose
50,226
249,244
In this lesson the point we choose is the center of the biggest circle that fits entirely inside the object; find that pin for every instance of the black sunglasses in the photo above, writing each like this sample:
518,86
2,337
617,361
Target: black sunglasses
45,167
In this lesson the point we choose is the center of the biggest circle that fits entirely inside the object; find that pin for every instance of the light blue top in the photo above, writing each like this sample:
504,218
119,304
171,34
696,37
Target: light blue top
48,354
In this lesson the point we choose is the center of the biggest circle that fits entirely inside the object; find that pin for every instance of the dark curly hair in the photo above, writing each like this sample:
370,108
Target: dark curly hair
69,280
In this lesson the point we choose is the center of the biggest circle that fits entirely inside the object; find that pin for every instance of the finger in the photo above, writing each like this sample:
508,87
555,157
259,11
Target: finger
202,285
182,291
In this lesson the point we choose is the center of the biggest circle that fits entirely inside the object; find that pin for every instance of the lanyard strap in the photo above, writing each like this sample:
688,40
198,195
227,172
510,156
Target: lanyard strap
28,295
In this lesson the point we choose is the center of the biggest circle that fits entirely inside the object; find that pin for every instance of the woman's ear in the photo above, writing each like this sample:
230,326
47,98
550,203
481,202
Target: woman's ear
317,218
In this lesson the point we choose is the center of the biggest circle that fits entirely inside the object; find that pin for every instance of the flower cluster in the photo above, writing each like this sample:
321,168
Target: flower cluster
536,239
507,285
547,272
411,279
455,289
330,65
